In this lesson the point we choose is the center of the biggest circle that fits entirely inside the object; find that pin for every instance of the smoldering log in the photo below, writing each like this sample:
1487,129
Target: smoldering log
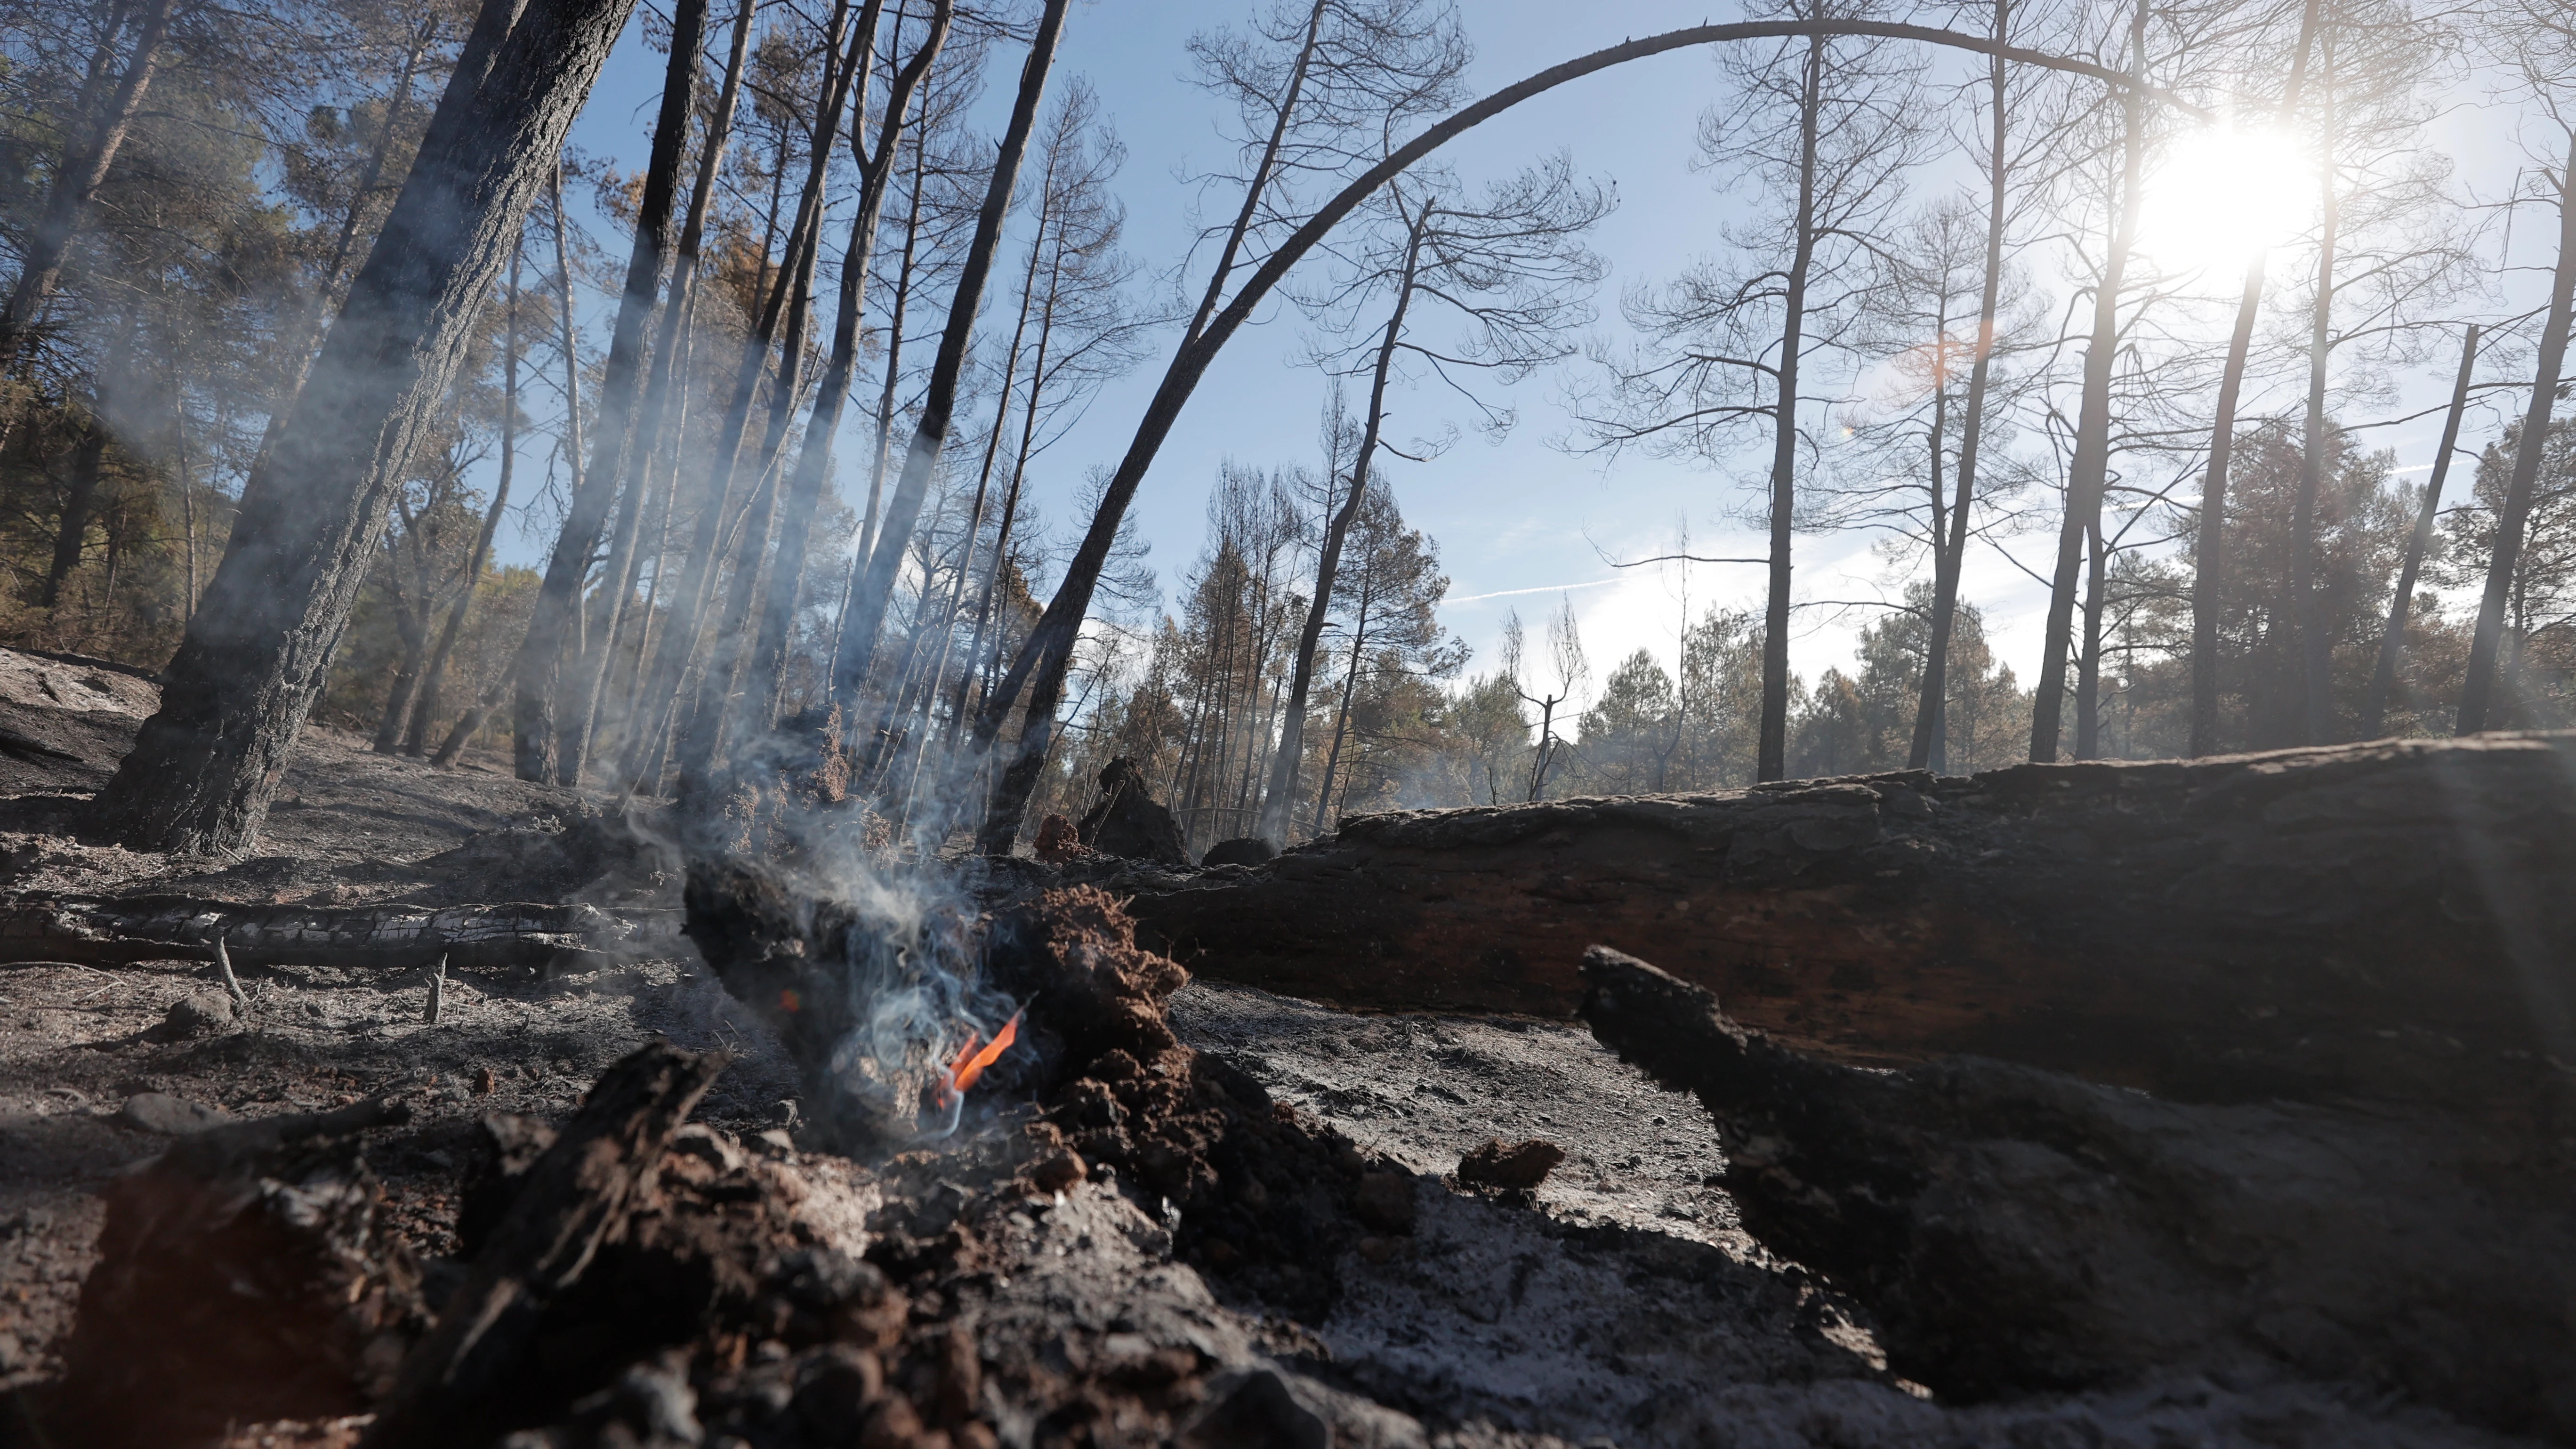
2371,920
114,931
2017,1230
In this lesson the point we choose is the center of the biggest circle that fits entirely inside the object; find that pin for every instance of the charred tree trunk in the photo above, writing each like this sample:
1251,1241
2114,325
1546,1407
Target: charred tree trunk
2369,921
205,767
1281,801
2316,705
1771,749
2087,471
759,704
548,648
2016,1231
2210,552
1930,749
2477,692
118,932
874,592
2392,644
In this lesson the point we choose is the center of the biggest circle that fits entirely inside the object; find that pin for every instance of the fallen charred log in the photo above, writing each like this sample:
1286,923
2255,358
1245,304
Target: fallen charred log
112,931
2369,920
2015,1230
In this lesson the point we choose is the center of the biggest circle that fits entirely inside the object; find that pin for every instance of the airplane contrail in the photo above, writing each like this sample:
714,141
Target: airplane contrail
1542,589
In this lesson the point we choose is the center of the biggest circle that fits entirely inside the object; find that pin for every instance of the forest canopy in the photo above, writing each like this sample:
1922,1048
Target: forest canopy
800,400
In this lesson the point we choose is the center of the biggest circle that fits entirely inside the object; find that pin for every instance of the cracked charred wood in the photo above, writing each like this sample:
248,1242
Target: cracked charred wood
2369,920
2017,1230
582,1190
243,1275
112,931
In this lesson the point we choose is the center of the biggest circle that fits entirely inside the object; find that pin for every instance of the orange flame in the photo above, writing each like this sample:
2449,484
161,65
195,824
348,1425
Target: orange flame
969,1064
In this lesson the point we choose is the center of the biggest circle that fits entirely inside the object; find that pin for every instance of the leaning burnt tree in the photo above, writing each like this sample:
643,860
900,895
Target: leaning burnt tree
205,767
1045,661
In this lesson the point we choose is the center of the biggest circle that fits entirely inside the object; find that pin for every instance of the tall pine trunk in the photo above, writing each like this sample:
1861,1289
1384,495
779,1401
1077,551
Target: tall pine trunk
2210,554
2090,467
1930,749
2477,692
759,703
1772,754
874,593
2307,598
2392,642
205,766
552,653
1281,800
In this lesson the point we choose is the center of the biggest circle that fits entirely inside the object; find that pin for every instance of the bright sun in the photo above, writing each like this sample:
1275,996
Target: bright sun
2222,195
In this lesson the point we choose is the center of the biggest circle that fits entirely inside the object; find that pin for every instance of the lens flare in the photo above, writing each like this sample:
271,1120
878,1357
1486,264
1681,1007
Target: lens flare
2222,196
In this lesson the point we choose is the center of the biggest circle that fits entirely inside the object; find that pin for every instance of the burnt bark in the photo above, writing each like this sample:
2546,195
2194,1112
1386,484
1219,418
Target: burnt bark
243,1275
2015,1230
205,767
94,931
585,1186
2368,921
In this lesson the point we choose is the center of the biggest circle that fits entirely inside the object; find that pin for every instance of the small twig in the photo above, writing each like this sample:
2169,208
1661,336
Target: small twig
232,983
437,993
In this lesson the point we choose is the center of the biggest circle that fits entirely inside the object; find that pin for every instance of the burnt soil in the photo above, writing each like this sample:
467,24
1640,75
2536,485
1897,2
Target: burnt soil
1278,1251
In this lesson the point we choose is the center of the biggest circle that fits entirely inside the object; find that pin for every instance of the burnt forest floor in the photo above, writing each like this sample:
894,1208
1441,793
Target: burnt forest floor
1617,1304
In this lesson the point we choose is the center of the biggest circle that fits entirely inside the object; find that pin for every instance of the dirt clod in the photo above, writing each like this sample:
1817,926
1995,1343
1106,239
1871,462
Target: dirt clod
200,1013
1385,1201
1512,1166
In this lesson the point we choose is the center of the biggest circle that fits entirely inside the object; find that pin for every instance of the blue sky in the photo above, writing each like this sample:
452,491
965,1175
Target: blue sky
1517,523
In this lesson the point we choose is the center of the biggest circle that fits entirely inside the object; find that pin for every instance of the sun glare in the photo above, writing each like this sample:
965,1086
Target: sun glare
2223,195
